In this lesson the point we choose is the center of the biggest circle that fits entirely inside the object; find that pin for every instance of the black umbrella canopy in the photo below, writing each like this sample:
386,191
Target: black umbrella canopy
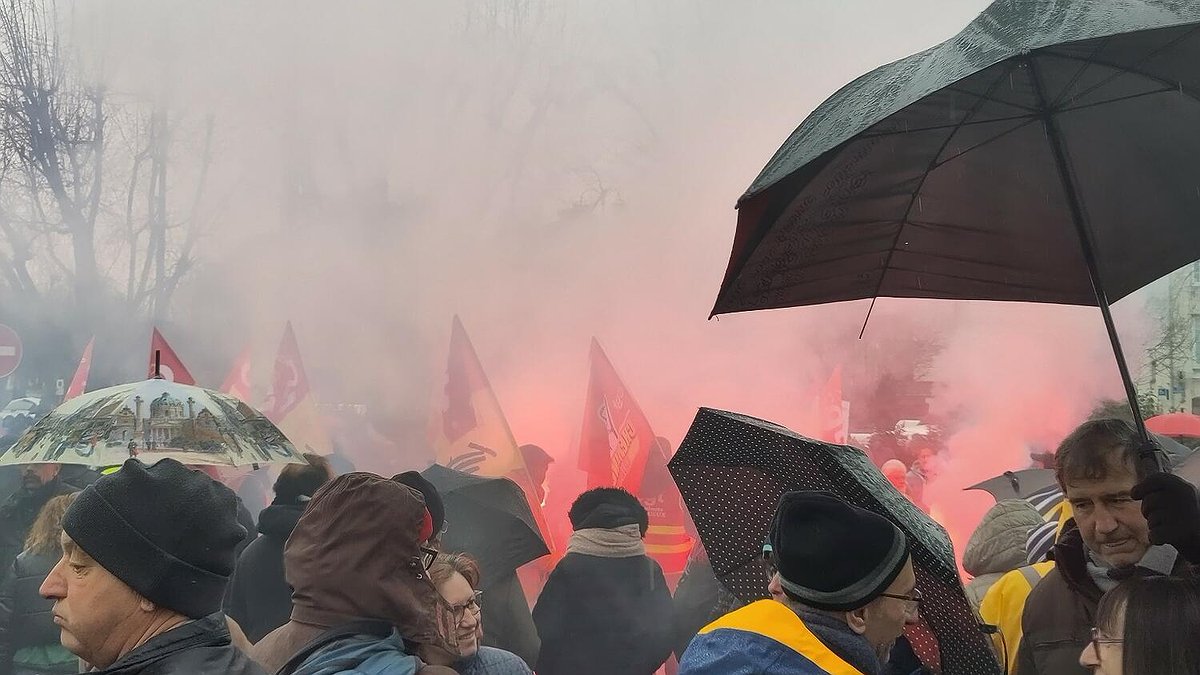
489,519
731,470
1017,484
968,170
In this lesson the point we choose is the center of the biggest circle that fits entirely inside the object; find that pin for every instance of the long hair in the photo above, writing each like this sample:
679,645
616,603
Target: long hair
1162,620
44,536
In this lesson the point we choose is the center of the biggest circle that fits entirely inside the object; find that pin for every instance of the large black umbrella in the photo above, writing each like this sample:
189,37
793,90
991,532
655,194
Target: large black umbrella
1050,152
732,469
489,518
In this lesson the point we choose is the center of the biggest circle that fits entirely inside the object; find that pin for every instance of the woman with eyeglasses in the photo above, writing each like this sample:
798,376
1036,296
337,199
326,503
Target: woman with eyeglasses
1147,626
456,577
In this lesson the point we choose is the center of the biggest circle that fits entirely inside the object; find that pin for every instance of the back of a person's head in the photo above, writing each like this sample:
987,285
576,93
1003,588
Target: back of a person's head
998,544
607,507
1161,624
299,482
1094,449
45,536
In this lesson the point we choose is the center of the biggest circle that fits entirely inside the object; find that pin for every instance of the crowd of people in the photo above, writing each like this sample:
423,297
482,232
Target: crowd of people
150,570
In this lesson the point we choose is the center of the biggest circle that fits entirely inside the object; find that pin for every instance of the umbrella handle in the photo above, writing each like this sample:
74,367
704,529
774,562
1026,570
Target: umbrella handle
1150,459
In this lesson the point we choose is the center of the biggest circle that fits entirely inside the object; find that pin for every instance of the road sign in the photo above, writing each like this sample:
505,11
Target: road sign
10,350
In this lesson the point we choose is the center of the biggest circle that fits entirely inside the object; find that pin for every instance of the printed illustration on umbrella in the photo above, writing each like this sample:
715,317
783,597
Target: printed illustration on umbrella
152,419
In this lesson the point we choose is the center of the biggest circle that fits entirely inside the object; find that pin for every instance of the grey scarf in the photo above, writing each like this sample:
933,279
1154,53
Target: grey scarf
617,542
837,636
1158,560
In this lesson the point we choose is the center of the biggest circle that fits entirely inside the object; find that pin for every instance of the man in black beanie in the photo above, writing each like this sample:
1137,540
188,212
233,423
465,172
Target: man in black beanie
606,607
843,592
147,552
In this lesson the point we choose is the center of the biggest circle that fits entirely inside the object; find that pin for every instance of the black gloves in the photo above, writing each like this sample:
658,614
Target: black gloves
1172,508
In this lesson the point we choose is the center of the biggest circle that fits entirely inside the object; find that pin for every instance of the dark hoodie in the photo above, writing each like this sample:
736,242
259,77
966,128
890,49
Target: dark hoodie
259,597
354,556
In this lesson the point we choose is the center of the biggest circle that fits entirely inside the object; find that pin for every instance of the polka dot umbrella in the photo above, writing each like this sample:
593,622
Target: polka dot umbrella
732,470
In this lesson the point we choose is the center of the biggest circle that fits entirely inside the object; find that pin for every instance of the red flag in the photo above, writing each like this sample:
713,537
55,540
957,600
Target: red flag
237,382
469,429
615,443
79,381
291,405
833,414
170,367
618,447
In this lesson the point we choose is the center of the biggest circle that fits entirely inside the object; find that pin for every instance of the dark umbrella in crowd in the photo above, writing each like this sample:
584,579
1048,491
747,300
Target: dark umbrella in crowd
732,469
1016,484
1047,153
488,518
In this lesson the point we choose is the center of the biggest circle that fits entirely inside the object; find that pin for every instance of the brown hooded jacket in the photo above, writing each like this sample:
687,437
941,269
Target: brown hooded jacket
354,555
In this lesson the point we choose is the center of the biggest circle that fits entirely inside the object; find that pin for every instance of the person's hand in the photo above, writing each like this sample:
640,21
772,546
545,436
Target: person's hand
1172,508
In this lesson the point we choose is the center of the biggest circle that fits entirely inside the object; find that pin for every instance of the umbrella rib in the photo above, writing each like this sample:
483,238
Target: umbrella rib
1118,99
924,177
940,127
1079,73
1131,70
987,141
992,99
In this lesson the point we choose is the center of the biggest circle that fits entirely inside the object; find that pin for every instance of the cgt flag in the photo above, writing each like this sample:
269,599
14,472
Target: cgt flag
237,382
169,365
291,405
79,381
618,447
468,429
615,442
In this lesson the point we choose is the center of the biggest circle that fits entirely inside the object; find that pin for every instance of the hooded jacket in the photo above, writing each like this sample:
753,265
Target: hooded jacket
199,647
997,546
259,597
354,556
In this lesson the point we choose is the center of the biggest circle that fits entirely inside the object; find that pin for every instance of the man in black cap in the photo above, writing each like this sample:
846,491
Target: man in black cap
147,552
843,592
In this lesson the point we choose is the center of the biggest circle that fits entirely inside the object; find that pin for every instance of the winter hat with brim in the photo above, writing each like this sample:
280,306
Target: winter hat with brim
167,532
832,555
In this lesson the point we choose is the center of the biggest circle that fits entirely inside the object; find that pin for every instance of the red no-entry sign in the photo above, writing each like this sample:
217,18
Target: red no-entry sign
10,350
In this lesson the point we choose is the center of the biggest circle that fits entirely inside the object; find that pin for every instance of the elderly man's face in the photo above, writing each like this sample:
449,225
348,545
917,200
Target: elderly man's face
100,618
37,475
1110,521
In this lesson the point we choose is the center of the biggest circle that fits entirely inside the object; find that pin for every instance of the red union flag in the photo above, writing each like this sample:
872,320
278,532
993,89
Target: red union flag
618,447
469,430
291,405
79,381
237,382
168,363
615,443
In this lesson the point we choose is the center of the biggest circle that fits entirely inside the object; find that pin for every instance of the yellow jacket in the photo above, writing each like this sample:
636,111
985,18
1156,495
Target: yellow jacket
1003,605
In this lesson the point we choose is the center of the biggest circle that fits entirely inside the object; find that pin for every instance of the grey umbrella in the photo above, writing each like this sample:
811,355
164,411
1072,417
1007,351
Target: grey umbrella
1050,152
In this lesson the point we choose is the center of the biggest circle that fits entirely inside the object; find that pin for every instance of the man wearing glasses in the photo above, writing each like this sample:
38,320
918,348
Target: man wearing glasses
843,589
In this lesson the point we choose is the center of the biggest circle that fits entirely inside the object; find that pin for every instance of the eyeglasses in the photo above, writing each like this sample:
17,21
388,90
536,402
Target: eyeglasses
428,555
1098,639
912,601
474,605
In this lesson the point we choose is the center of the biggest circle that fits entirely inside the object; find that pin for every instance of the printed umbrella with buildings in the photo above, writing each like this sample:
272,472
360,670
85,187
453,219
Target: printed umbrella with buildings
153,419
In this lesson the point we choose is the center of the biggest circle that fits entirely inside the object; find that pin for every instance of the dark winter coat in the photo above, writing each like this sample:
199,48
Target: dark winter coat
695,599
25,619
1060,612
604,615
507,622
18,513
259,597
198,647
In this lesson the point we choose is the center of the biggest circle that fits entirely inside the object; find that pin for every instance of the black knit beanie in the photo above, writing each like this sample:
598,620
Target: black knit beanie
166,531
832,555
433,498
